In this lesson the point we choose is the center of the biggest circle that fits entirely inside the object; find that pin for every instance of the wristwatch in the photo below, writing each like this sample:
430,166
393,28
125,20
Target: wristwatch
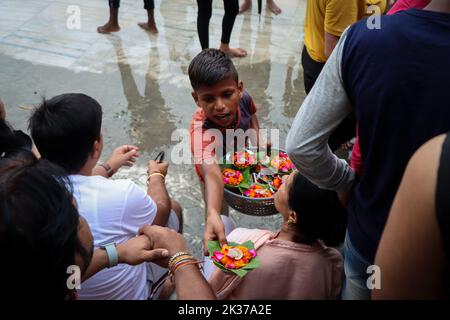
107,167
111,251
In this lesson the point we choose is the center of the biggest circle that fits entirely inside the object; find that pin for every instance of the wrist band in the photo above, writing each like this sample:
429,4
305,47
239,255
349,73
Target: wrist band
155,174
111,252
107,167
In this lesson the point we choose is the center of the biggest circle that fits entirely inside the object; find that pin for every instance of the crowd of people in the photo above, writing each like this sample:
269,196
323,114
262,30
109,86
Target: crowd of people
386,87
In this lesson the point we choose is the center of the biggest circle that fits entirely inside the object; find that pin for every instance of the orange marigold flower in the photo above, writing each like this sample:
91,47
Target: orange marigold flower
235,257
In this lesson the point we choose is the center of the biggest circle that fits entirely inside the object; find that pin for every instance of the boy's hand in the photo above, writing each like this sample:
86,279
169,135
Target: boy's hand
138,250
123,156
154,166
214,230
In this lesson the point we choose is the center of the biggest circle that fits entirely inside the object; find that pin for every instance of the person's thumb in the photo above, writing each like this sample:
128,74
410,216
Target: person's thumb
221,237
155,254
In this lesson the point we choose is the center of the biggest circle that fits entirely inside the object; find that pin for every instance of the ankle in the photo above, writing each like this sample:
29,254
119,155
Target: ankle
224,47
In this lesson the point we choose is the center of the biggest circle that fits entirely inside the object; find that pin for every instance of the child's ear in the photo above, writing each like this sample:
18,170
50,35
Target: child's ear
96,149
195,96
241,88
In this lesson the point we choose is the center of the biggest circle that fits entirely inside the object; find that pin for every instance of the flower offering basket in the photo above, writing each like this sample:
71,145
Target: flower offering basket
247,205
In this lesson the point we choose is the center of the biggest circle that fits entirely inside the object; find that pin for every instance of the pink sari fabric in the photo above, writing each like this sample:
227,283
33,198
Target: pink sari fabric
288,270
402,5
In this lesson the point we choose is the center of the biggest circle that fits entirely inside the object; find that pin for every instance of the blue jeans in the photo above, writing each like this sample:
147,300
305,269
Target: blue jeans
355,267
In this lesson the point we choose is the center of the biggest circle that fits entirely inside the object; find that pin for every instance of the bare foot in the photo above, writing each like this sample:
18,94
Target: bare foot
273,7
108,28
247,5
148,27
235,52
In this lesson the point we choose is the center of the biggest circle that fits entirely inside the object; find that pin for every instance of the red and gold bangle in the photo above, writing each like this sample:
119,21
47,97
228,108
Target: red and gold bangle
183,264
177,255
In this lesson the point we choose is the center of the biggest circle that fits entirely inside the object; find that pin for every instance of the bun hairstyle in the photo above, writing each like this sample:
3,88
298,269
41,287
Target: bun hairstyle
320,213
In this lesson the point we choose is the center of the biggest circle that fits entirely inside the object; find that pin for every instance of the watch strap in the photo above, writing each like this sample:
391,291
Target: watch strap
111,251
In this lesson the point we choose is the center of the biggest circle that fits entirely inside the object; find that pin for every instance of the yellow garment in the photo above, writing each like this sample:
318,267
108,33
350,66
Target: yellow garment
382,4
331,16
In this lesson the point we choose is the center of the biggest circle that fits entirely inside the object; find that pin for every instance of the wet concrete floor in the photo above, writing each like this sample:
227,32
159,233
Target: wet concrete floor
141,80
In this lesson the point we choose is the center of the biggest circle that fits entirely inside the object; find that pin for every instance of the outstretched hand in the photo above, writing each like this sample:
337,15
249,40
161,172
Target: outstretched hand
123,156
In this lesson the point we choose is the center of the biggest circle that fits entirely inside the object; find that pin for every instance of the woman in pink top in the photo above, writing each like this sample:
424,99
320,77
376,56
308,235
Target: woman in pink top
295,264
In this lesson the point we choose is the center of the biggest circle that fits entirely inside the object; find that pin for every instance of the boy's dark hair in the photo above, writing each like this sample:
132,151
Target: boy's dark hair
320,213
38,229
209,67
65,128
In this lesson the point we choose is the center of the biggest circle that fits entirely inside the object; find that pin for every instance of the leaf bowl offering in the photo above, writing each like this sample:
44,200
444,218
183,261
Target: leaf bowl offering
243,159
282,164
235,258
258,191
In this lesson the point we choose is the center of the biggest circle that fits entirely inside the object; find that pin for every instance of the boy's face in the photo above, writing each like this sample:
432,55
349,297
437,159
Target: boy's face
220,102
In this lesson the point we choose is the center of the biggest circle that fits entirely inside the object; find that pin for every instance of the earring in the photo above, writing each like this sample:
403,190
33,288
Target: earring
291,221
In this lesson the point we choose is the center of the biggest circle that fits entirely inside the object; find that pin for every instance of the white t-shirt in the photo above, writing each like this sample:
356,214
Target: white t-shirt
114,210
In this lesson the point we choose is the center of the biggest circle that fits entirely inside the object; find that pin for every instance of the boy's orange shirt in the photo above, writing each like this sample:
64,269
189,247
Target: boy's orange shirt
201,142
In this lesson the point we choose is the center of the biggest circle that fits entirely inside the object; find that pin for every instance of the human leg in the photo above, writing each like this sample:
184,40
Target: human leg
273,7
231,11
311,70
113,23
355,267
203,17
247,5
150,25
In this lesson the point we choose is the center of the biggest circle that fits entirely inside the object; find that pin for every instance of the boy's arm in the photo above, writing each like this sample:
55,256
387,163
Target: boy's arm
214,229
157,191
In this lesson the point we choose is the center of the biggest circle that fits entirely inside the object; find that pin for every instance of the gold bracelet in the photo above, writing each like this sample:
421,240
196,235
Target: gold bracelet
178,254
180,259
155,174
